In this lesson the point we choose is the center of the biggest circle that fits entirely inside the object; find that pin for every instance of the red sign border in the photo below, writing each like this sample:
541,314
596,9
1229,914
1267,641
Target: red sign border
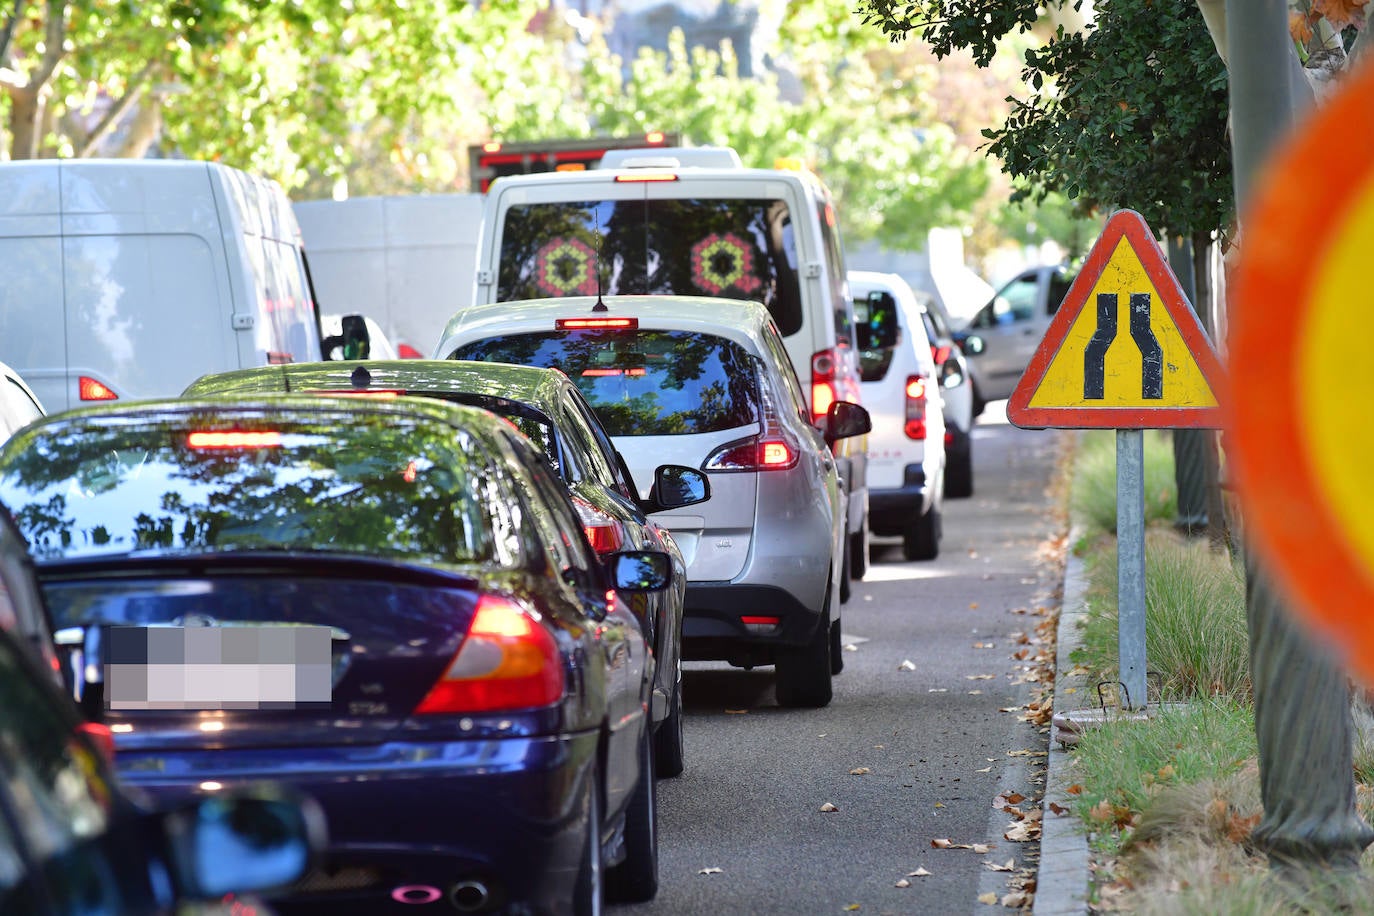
1301,200
1130,225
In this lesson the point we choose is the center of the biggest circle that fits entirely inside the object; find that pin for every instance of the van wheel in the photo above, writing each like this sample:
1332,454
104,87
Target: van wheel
858,553
635,880
921,541
804,672
959,473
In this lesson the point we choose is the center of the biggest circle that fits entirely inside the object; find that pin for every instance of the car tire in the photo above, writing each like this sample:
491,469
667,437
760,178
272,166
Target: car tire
587,892
959,472
635,880
858,554
804,672
836,649
668,743
921,540
979,404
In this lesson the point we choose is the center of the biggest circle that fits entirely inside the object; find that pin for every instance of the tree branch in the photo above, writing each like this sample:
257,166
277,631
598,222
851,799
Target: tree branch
132,90
55,33
7,33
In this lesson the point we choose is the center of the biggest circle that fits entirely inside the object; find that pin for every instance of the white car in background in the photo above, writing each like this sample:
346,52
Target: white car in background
902,392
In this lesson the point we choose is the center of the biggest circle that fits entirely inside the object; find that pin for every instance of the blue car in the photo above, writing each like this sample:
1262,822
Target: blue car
390,605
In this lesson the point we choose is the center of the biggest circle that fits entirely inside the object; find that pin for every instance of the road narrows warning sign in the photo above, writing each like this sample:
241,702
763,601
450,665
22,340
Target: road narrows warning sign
1136,359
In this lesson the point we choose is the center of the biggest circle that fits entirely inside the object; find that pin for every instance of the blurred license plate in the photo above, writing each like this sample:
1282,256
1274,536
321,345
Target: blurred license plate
246,667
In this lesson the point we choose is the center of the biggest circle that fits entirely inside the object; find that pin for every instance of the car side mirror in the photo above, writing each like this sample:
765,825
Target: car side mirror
676,486
242,841
640,570
845,419
876,321
354,343
972,345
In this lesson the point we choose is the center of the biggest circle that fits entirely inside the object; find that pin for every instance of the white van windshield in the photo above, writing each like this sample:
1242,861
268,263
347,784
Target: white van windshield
739,249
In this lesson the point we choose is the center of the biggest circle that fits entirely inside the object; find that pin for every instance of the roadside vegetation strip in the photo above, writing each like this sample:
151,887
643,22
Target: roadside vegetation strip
1169,801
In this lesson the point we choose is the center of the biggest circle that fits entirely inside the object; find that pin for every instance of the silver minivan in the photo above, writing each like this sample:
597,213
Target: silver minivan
708,383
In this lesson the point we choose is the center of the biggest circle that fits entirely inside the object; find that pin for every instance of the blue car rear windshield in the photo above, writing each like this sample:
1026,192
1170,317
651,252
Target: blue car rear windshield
737,249
384,486
643,382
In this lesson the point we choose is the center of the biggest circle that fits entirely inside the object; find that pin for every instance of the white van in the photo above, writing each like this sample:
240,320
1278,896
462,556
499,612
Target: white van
131,278
692,222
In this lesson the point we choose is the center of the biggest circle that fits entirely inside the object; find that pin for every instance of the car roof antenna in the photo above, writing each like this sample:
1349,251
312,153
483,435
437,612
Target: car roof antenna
600,304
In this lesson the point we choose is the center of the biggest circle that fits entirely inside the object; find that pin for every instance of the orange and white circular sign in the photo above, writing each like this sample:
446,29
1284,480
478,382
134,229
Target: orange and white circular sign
1301,416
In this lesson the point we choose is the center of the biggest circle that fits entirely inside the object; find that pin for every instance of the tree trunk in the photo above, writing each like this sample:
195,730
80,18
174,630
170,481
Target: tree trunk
144,129
24,118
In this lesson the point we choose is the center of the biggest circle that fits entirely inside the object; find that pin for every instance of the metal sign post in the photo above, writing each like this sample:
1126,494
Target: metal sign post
1130,565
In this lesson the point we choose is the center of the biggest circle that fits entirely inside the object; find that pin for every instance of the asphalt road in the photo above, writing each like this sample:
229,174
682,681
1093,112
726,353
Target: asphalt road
742,830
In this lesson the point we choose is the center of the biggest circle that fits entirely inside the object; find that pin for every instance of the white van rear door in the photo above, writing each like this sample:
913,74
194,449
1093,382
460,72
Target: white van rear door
33,337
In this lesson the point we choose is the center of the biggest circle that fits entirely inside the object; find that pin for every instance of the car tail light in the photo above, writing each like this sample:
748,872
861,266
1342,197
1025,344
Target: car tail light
647,176
507,661
604,533
595,324
760,623
770,450
915,426
406,351
941,353
91,390
233,439
822,384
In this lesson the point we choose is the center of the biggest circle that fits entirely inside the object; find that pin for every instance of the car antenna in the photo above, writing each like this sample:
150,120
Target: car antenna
600,303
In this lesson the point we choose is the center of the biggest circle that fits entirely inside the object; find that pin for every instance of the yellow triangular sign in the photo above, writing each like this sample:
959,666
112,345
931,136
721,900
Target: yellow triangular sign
1125,350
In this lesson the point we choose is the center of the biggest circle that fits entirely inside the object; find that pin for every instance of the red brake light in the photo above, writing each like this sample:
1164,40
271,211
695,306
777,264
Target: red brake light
582,324
770,450
406,351
823,392
915,425
607,373
605,534
91,390
507,661
233,439
941,354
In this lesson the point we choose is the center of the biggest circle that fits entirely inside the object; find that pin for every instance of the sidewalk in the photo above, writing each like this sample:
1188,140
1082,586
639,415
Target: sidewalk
1062,882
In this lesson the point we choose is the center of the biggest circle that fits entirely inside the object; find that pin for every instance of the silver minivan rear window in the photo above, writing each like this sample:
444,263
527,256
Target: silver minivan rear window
642,382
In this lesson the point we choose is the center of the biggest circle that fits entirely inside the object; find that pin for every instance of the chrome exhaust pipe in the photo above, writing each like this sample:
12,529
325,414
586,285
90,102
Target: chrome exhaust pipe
469,896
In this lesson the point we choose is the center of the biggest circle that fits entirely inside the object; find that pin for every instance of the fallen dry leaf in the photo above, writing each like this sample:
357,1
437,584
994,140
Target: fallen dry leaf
993,866
710,870
942,843
851,908
973,605
1074,789
984,770
828,808
1015,900
859,771
984,645
1058,809
939,804
989,898
980,848
975,693
902,882
920,872
979,677
737,712
907,665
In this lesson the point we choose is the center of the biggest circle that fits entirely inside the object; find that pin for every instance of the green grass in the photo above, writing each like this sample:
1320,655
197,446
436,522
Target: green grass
1195,630
1092,494
1124,764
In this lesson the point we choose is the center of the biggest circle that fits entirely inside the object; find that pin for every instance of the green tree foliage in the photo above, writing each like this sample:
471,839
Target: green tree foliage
1128,112
896,170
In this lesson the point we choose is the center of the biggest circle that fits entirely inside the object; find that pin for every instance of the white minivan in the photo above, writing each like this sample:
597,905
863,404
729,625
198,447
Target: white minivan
907,460
693,222
131,278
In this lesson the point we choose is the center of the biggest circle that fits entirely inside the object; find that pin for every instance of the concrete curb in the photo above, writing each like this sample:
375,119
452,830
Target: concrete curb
1062,882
